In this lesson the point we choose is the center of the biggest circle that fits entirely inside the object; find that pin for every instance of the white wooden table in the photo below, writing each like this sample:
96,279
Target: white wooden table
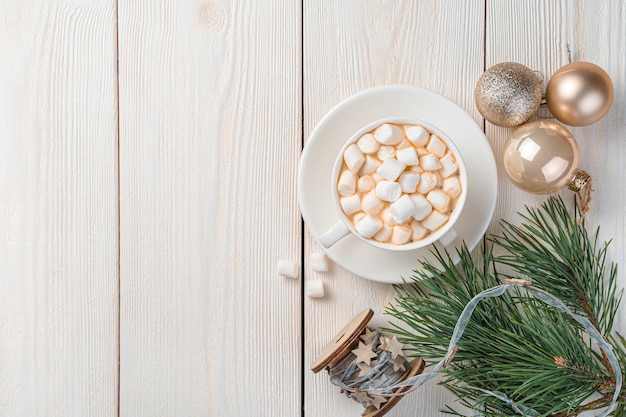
148,162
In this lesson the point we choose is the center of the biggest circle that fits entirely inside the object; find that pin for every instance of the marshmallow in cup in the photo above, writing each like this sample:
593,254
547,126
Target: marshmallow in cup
415,192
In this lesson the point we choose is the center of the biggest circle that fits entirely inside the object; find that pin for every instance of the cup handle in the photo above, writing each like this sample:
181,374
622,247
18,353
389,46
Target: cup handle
334,234
448,237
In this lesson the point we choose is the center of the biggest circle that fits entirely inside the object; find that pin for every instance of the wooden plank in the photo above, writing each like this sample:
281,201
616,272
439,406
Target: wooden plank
209,142
350,46
601,39
58,192
536,34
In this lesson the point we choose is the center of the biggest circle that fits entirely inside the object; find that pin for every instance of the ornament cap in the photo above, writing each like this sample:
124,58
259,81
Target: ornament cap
580,180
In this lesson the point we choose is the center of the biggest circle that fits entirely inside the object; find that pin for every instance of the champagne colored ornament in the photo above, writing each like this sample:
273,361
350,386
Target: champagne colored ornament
542,157
579,94
508,94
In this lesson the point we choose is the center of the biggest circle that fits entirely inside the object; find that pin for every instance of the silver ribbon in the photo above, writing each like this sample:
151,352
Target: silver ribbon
418,380
380,378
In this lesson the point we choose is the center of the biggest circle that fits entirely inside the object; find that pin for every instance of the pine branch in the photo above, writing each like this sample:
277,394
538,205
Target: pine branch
515,344
559,255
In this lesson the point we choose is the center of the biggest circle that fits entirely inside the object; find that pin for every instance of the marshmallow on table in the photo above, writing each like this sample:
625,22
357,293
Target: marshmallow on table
371,165
417,231
368,144
428,181
434,221
401,234
416,169
346,185
439,200
436,146
430,162
319,262
388,191
408,182
364,184
417,135
385,152
388,134
391,169
350,204
383,234
422,206
354,158
452,187
288,268
408,156
371,204
368,226
315,288
403,208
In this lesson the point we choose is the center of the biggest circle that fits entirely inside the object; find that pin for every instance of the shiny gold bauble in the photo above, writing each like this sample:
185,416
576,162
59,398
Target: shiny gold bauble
541,157
579,93
508,94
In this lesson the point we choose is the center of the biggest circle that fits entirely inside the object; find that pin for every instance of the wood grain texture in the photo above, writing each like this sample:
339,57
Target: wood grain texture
600,37
210,100
58,205
536,34
210,108
350,46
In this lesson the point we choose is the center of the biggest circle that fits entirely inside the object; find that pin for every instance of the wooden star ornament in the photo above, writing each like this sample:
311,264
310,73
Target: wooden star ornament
361,396
392,345
363,368
376,401
398,364
364,353
369,336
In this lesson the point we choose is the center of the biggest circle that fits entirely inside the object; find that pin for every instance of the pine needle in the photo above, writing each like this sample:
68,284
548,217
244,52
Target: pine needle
536,355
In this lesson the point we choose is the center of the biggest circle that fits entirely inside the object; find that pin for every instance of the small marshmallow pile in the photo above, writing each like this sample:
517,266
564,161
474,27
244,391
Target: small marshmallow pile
398,183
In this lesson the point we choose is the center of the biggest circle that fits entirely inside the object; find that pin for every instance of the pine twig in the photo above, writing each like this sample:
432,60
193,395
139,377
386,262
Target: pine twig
517,345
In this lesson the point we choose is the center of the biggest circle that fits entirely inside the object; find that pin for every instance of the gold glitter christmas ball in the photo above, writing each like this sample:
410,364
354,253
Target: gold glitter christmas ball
579,93
508,94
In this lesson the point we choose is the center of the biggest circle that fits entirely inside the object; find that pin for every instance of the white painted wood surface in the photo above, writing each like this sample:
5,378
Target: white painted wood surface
350,46
536,34
58,199
447,45
214,100
209,146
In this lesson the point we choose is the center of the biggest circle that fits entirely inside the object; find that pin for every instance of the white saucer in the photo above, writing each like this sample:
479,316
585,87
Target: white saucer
326,140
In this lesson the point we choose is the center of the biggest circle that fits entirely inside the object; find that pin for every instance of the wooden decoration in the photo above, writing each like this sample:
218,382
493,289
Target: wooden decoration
417,367
346,341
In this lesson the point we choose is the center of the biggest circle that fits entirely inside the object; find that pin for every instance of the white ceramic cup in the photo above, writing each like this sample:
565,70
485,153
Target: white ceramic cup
444,235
